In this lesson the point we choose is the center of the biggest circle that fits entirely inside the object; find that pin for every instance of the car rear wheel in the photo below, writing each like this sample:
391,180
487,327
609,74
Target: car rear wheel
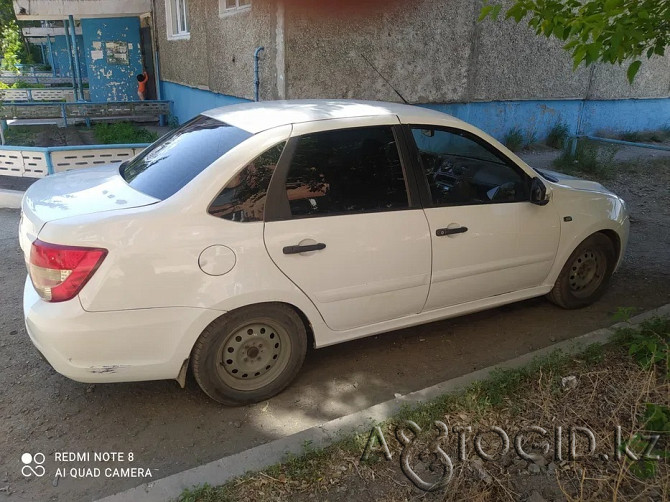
250,354
586,274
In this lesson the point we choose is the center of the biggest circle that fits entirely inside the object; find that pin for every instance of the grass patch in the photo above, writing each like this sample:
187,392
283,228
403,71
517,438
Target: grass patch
514,139
123,133
21,136
589,158
20,84
558,136
653,136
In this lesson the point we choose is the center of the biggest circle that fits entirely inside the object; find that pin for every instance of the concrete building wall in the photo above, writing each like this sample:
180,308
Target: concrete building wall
218,55
109,81
495,74
435,51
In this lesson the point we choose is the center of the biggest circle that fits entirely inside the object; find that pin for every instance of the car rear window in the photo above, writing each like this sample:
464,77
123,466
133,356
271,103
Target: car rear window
169,164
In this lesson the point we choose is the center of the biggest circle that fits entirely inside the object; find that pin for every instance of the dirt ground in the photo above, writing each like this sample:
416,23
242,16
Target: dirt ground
601,389
169,429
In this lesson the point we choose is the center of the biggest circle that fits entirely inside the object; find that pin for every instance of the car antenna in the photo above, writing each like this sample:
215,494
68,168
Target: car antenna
384,79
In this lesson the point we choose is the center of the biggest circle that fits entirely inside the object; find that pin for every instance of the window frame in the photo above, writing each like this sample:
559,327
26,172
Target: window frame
422,178
225,11
277,207
267,190
182,15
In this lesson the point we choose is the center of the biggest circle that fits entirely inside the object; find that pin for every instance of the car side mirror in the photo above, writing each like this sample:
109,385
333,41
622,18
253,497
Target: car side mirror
538,192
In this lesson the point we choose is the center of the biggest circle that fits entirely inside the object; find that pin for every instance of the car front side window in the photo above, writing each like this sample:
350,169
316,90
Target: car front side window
460,170
346,171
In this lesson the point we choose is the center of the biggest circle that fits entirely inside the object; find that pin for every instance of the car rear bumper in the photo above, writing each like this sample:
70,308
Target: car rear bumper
117,346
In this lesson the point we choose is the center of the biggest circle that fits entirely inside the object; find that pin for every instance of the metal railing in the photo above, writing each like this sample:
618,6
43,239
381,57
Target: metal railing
38,162
46,94
85,110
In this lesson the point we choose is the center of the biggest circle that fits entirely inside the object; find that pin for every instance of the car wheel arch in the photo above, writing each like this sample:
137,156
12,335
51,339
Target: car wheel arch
303,317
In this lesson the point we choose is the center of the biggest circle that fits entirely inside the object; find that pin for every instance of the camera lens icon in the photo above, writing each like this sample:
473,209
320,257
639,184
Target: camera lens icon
29,469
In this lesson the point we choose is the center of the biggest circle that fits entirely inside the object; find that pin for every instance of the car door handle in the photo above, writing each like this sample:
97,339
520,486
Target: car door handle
303,249
440,232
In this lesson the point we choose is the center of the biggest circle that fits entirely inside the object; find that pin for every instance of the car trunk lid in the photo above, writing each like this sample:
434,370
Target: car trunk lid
74,193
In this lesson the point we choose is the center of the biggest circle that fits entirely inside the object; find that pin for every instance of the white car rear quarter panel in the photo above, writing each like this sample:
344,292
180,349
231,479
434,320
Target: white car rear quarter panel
118,346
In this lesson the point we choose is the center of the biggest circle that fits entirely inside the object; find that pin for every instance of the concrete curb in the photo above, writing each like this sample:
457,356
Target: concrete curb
10,199
260,457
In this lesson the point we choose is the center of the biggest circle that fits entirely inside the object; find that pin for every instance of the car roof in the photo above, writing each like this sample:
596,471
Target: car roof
259,116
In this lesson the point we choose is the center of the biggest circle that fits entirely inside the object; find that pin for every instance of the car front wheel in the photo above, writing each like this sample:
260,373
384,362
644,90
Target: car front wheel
250,355
585,275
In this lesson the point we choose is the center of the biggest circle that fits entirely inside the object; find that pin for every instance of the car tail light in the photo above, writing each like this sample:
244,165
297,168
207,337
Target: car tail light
59,272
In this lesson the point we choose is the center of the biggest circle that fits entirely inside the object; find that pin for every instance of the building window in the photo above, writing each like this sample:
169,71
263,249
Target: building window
177,19
228,7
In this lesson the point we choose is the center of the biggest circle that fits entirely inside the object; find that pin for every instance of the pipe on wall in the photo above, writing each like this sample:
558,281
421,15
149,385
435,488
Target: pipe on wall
76,57
257,80
68,43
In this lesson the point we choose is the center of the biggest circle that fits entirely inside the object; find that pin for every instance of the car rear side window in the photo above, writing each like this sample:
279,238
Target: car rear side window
346,171
243,197
169,164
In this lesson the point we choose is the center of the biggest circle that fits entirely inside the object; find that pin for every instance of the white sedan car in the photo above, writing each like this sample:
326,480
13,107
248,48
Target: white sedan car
231,243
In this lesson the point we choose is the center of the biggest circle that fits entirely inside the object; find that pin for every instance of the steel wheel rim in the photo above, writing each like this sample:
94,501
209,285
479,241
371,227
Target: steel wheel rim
253,355
587,272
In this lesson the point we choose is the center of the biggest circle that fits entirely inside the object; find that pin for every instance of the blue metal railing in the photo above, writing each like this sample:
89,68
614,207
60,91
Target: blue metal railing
87,109
574,139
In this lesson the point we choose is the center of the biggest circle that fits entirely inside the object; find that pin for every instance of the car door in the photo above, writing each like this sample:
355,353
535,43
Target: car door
344,226
487,237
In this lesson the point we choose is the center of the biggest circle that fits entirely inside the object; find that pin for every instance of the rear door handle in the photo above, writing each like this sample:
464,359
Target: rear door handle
303,249
441,232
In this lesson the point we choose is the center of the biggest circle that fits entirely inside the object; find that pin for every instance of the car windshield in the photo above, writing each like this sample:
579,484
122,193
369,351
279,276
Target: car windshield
169,164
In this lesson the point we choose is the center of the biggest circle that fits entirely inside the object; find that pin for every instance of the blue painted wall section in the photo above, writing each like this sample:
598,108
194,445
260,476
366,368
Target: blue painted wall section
187,102
107,81
61,59
494,117
538,117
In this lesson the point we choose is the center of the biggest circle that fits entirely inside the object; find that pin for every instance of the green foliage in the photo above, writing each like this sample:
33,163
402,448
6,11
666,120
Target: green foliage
514,139
655,136
20,84
649,345
123,133
21,136
623,314
558,135
173,121
610,31
589,157
6,12
11,46
656,420
205,493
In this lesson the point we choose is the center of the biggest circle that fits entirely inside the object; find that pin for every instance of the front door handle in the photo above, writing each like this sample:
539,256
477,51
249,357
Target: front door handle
441,232
303,249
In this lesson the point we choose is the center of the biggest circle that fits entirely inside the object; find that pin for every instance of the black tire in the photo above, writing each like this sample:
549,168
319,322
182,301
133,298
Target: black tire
250,354
586,273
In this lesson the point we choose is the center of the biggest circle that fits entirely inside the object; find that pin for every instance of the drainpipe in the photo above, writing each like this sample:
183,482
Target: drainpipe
68,42
156,54
76,57
257,81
